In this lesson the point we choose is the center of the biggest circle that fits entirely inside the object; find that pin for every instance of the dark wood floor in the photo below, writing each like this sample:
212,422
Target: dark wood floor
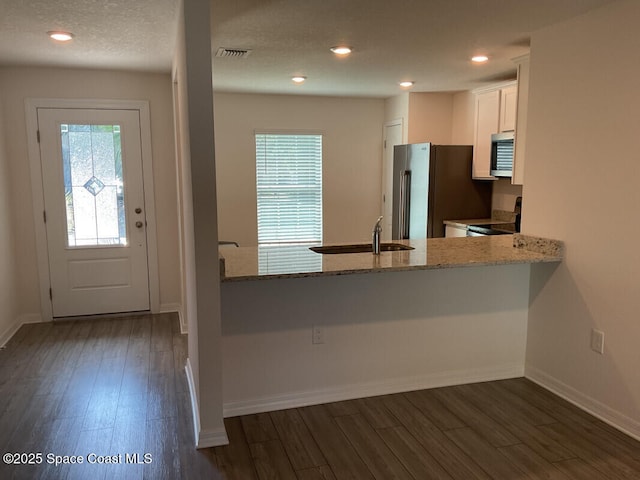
118,386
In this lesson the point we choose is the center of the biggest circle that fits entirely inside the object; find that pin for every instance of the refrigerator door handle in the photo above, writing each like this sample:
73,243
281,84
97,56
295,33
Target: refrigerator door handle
405,202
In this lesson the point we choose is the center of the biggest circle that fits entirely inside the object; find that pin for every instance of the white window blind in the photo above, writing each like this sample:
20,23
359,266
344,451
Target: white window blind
277,259
289,187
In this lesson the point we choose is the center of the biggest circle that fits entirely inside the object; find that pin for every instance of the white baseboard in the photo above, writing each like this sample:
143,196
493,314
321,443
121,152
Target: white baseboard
11,330
372,389
175,307
590,405
195,409
212,438
207,438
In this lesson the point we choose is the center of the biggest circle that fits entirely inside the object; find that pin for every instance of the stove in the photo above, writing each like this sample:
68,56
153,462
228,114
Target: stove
497,228
491,229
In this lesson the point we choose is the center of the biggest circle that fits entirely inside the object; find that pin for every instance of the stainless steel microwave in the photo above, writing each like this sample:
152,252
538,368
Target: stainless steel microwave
502,154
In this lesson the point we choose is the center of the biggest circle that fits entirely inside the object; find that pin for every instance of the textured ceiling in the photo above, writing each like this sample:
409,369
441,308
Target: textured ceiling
120,34
428,41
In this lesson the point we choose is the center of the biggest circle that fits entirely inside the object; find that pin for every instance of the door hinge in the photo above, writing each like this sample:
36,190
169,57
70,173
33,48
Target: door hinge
44,216
385,143
50,294
38,135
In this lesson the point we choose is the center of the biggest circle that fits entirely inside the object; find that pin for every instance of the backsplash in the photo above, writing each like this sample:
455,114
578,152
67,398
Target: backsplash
503,215
504,194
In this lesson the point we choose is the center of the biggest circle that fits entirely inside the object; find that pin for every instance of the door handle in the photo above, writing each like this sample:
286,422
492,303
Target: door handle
139,224
405,202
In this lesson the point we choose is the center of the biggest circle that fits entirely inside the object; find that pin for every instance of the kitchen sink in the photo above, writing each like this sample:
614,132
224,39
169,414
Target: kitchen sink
360,248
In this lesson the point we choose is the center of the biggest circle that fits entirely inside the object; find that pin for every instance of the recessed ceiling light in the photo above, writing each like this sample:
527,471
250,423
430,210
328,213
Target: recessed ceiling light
61,36
298,79
479,58
406,84
341,50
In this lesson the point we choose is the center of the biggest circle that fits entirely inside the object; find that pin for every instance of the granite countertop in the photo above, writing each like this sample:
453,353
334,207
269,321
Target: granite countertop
472,221
262,263
497,216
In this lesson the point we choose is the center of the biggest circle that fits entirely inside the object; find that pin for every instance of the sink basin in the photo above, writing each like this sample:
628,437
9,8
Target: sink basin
360,248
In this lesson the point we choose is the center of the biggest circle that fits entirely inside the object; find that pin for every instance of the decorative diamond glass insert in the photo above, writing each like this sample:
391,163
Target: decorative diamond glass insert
94,185
95,207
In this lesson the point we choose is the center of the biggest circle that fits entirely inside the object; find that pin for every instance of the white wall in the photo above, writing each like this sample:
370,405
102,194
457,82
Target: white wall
200,279
504,194
352,163
8,311
397,107
581,186
16,84
430,118
463,118
427,117
384,333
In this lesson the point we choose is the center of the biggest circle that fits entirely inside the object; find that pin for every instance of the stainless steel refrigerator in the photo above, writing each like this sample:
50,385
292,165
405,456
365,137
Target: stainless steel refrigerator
432,183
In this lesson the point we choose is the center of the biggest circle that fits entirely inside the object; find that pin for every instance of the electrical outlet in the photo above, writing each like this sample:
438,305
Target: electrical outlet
597,341
317,334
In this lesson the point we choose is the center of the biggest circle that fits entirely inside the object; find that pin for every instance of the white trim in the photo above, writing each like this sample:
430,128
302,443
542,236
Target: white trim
15,326
213,438
391,123
149,205
177,308
616,419
37,194
206,439
288,131
195,409
336,394
521,58
184,322
494,86
31,114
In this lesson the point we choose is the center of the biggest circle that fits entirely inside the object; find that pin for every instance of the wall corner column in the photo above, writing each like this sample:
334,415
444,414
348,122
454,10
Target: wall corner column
201,223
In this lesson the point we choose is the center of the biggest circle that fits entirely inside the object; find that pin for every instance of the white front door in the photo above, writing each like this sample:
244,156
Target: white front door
94,210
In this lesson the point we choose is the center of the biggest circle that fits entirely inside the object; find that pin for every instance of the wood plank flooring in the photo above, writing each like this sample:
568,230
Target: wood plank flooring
117,386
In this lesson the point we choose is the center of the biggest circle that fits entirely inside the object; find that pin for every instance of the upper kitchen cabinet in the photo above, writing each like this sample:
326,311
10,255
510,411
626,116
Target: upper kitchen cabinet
508,108
521,119
495,112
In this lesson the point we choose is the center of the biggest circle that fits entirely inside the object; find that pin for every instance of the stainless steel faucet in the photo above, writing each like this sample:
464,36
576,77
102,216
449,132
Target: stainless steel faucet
377,231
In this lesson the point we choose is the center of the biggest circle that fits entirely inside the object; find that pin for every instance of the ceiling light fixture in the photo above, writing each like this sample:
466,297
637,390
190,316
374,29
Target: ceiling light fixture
406,84
479,58
341,50
61,36
298,79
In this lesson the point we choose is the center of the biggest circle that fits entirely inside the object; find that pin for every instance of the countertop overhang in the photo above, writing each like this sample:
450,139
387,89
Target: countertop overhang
297,261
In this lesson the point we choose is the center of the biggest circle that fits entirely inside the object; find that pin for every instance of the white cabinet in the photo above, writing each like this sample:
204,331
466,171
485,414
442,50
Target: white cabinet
451,231
508,108
486,124
521,119
495,112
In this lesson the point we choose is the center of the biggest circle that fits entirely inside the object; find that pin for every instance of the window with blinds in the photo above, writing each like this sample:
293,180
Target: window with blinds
289,188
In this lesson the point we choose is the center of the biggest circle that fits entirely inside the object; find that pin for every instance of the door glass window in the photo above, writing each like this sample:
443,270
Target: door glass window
93,185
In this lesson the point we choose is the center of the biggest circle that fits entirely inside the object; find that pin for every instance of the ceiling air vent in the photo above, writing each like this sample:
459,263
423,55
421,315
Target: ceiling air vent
233,52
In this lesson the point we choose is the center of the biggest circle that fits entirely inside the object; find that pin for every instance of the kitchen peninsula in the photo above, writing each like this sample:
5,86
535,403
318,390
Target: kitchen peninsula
300,328
261,263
